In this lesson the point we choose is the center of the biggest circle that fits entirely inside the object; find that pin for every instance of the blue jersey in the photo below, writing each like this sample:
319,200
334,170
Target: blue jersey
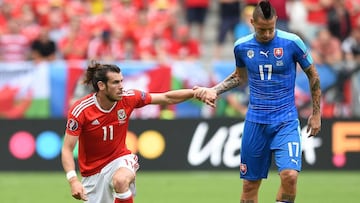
271,69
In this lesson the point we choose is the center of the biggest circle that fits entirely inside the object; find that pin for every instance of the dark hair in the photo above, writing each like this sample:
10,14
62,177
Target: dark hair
97,72
264,10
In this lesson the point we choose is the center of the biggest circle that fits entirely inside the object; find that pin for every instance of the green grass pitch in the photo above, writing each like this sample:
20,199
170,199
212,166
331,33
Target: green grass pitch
186,186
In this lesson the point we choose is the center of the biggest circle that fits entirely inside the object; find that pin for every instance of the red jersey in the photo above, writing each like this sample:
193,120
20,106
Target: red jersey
102,133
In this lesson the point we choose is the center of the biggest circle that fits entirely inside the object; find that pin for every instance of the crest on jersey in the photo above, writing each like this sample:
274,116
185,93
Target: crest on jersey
243,168
72,124
250,54
121,114
278,53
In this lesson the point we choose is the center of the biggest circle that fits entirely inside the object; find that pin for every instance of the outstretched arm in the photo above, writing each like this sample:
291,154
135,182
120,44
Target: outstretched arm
314,121
172,97
209,95
235,79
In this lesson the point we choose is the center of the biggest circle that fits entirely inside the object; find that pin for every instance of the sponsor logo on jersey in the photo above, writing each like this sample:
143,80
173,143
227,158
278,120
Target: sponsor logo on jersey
294,161
72,124
95,122
121,115
278,53
250,54
265,53
243,168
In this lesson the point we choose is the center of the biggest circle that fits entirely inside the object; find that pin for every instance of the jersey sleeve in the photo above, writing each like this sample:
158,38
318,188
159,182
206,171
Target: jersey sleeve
239,50
138,98
302,53
238,59
74,123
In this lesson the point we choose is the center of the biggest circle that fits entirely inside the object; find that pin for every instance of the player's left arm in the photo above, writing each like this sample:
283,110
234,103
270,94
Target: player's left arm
172,97
314,121
208,95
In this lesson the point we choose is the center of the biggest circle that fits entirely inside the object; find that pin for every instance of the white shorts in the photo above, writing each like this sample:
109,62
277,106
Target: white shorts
99,187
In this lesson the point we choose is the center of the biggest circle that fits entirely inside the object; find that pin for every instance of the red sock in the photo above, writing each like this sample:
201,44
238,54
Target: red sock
128,200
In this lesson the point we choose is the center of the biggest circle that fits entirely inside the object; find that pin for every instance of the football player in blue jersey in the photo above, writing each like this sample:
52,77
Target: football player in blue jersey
267,60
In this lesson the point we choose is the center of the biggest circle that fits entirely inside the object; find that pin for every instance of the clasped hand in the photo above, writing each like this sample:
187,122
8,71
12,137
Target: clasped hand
206,95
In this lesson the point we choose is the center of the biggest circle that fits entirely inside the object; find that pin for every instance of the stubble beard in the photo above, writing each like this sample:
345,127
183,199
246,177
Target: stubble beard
112,99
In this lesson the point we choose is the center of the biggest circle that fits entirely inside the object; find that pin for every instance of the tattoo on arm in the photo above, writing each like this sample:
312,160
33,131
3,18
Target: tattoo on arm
314,82
230,82
316,94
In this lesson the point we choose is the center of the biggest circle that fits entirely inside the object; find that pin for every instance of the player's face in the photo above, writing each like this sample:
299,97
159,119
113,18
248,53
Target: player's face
264,29
114,86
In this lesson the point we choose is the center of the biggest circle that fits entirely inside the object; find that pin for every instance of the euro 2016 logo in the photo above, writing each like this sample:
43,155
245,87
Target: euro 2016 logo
72,124
345,138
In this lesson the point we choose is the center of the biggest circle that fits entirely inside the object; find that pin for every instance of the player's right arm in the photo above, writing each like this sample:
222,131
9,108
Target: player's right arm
67,159
172,97
209,95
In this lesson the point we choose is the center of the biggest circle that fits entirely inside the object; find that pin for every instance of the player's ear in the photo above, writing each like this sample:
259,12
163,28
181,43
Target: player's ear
101,85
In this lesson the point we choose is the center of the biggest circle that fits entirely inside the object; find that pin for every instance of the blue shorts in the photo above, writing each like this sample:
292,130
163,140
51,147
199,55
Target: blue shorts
261,141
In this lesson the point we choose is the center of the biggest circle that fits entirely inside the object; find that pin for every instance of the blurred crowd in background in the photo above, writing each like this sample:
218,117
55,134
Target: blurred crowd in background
199,31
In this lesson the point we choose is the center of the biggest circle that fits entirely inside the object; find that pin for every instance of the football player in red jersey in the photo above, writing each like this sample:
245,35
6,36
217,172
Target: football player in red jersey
99,122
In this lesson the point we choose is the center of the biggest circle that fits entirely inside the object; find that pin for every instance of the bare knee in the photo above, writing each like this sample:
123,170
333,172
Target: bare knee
251,188
289,177
122,179
287,190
